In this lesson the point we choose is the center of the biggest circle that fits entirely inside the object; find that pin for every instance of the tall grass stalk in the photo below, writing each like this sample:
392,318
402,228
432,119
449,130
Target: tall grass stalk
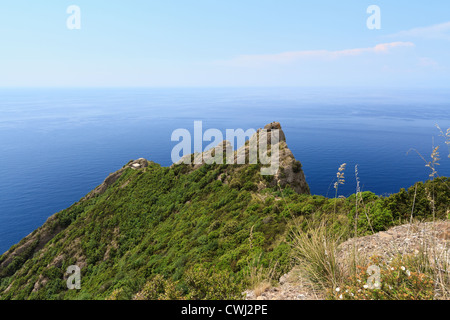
260,278
316,253
355,252
340,180
428,260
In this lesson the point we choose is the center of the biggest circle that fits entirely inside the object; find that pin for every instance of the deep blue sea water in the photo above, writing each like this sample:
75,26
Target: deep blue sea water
58,144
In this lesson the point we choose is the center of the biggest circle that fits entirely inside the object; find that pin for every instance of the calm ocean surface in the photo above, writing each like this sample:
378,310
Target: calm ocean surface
58,144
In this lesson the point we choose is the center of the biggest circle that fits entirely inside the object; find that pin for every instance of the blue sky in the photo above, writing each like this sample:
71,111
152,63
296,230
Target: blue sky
225,43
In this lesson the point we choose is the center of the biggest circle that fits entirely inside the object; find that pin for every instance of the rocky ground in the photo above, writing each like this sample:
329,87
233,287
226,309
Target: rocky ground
292,286
431,238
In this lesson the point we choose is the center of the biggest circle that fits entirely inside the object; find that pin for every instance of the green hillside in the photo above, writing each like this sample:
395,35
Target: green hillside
180,232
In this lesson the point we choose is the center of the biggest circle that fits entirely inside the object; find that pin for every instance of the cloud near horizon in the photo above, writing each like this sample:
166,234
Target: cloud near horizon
436,31
294,56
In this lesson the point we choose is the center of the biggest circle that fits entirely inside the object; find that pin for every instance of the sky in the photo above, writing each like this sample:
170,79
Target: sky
233,43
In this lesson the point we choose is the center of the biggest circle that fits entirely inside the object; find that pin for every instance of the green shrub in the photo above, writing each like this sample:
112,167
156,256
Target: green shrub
212,285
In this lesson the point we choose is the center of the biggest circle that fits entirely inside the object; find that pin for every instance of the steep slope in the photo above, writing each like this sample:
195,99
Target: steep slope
289,169
35,241
202,229
145,219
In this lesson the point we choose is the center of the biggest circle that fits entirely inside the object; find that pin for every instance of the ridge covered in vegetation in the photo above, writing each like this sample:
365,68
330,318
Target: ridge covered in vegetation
155,232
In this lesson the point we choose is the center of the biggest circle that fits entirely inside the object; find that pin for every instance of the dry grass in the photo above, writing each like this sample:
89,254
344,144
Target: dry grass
430,260
260,278
315,252
261,288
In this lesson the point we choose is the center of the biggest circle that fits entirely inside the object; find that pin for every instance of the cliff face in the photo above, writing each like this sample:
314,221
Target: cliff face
287,171
290,170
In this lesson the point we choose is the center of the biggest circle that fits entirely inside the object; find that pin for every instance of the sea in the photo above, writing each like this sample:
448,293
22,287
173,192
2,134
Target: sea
57,144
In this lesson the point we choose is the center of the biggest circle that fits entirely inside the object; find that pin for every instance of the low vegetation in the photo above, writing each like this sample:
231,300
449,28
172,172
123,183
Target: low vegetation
212,233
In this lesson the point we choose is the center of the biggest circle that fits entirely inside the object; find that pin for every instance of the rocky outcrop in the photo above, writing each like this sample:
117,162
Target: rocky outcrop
288,170
409,239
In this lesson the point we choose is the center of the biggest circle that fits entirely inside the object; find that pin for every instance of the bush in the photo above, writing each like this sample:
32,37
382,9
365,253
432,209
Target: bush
218,285
250,186
297,166
159,289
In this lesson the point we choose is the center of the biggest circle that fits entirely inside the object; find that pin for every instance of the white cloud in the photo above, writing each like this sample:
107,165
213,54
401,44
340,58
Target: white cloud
437,31
295,56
